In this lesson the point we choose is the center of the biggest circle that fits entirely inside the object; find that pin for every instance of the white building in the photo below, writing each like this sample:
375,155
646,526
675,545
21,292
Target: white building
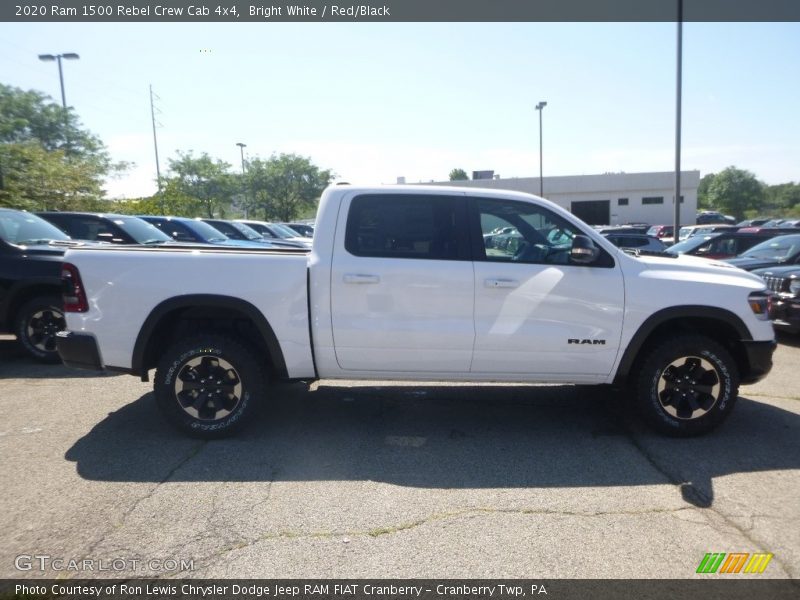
610,198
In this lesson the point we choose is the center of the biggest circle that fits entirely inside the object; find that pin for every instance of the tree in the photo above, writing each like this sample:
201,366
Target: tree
203,179
36,179
734,191
702,191
285,185
458,175
170,201
46,159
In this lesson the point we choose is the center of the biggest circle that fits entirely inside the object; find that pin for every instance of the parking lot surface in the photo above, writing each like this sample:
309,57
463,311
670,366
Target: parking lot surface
351,480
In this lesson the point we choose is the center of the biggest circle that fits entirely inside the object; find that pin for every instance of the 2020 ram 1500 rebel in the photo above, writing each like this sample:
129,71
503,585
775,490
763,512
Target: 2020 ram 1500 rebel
400,284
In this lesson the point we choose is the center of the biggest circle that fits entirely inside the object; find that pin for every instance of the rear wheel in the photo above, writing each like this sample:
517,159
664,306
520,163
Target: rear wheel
687,385
207,386
36,326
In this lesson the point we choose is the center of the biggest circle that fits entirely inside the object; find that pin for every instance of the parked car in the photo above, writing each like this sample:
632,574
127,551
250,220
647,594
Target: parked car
113,229
633,228
636,241
30,282
712,216
397,288
184,229
777,251
302,229
753,222
239,231
691,230
665,233
274,231
784,308
719,245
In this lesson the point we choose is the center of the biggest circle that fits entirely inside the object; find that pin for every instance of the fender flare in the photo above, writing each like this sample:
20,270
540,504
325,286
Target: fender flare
207,301
675,313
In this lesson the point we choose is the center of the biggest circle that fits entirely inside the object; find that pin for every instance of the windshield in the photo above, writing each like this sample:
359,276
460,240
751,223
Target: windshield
141,231
248,232
206,231
283,230
691,244
25,229
777,248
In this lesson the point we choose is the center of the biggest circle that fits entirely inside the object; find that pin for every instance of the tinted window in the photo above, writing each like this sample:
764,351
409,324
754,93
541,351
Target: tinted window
522,232
87,227
397,226
23,228
141,231
176,230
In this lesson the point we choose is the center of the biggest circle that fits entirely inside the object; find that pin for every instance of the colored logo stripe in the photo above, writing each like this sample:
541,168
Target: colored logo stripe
713,562
758,563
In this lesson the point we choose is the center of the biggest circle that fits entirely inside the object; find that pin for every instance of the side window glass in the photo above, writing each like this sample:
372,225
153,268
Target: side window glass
397,226
521,232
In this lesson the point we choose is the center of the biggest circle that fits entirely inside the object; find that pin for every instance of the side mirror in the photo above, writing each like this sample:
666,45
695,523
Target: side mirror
583,251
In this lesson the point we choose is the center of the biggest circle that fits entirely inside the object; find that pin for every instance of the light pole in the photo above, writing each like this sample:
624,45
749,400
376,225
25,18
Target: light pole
58,57
539,107
242,146
678,80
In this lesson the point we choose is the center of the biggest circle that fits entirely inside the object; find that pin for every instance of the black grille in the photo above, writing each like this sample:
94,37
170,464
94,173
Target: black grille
777,284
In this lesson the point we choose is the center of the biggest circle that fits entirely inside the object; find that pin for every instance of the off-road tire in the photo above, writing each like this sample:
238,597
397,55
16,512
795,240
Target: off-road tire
207,386
36,323
686,385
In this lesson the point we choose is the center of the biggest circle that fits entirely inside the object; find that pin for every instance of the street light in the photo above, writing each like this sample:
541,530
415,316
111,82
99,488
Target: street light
58,57
539,107
242,146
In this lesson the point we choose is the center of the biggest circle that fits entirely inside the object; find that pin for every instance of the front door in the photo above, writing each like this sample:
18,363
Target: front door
536,313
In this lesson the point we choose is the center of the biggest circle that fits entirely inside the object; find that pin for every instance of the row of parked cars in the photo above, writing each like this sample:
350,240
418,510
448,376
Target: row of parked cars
32,247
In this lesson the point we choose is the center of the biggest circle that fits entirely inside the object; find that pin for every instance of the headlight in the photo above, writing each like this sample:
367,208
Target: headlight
794,287
759,304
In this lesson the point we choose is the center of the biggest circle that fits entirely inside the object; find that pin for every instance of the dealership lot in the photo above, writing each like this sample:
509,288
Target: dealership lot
398,480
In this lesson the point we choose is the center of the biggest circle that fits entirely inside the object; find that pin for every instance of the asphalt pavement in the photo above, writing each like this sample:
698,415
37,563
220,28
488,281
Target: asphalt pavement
352,480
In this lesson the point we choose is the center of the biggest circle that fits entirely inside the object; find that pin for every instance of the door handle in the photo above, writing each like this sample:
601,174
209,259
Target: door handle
360,278
500,283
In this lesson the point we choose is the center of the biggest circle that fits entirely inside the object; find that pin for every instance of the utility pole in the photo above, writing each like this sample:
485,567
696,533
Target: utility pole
679,68
155,138
539,107
242,146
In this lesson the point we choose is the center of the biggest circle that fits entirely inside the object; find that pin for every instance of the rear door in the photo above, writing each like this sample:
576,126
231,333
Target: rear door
402,297
536,313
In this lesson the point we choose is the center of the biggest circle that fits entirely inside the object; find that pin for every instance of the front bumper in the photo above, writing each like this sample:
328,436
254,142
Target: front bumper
78,350
759,360
785,314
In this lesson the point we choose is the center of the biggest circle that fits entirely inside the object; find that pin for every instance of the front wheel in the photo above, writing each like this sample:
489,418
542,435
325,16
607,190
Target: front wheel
207,386
687,385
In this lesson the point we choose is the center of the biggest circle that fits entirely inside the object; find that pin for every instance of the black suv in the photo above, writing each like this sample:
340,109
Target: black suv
784,282
113,229
30,282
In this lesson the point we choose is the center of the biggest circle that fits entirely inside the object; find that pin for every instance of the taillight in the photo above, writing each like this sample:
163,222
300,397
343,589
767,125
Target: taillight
72,291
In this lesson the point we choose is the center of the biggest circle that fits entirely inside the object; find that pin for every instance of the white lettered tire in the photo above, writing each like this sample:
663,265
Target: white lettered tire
687,385
208,385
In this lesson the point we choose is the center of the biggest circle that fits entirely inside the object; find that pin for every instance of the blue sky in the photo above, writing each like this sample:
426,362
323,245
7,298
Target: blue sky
377,101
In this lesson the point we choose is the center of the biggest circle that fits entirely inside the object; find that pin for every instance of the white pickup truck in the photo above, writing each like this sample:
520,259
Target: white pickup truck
420,283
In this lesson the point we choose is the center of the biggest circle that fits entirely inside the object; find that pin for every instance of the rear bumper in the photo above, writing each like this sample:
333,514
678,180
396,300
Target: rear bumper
759,360
78,350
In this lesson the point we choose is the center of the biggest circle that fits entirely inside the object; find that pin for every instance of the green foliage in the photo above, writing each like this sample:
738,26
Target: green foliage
458,175
284,187
702,191
46,160
734,191
170,202
203,180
